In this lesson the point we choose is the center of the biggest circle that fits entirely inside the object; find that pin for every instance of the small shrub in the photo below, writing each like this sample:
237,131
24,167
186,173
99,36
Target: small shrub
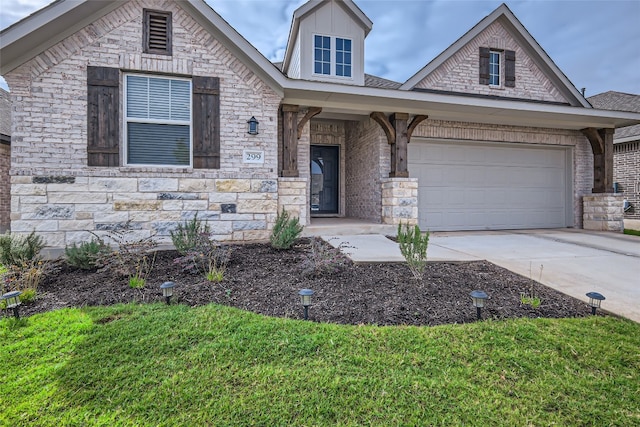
323,258
413,246
87,255
285,231
208,258
188,235
25,277
133,258
15,250
531,298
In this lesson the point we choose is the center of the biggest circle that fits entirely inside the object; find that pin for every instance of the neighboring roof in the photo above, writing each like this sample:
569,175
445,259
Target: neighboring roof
374,81
34,34
619,101
504,15
348,5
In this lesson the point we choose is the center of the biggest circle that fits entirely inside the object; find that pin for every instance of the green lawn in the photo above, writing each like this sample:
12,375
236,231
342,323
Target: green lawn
153,365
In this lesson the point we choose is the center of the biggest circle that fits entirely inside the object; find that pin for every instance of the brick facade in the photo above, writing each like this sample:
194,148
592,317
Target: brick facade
5,187
626,172
5,160
368,162
55,193
460,72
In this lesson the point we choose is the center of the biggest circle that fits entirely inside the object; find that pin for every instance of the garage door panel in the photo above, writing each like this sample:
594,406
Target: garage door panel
476,186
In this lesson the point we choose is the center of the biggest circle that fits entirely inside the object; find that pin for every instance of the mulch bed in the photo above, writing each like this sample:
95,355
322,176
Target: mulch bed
264,280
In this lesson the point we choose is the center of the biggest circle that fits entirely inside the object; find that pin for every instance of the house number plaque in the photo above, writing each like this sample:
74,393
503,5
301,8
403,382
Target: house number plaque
252,156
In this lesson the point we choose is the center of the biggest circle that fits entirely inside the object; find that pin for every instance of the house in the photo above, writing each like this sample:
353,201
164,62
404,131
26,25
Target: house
5,160
147,112
626,150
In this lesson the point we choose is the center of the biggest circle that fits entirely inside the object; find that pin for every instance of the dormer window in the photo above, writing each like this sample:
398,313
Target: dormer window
322,55
494,68
332,56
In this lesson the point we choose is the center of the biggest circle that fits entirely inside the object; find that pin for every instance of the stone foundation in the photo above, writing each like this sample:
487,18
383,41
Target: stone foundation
603,212
67,209
292,196
400,200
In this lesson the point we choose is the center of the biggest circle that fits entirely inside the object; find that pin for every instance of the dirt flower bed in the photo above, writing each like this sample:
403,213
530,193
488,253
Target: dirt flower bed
264,280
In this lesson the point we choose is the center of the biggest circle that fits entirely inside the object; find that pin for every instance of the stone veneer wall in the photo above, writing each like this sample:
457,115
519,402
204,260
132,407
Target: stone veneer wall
367,164
292,197
5,187
582,174
626,172
603,212
54,192
400,201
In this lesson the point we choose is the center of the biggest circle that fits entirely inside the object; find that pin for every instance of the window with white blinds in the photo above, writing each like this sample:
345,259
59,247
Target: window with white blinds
158,121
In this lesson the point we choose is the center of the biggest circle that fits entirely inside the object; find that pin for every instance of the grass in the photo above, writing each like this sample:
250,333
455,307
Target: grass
158,365
631,232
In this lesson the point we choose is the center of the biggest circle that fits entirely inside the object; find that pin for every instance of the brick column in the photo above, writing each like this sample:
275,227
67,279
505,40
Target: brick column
400,200
603,212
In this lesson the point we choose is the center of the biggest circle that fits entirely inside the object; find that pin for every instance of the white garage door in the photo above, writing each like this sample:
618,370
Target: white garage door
477,186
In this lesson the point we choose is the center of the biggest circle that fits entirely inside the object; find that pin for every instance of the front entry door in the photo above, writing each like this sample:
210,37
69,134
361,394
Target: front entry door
325,166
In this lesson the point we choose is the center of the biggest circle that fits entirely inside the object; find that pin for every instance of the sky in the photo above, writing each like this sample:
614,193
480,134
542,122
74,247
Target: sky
596,43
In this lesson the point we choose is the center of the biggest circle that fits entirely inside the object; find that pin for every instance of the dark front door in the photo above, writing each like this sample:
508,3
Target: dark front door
325,165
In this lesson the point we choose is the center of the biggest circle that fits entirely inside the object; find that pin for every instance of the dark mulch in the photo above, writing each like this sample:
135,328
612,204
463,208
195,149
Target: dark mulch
267,281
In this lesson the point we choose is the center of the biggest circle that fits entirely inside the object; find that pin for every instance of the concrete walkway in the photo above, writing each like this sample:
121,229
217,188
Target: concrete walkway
572,261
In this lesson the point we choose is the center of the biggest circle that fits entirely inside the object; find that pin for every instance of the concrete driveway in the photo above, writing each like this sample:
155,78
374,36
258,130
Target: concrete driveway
572,261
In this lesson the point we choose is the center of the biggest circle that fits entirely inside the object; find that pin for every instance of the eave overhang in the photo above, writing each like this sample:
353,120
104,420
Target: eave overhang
354,101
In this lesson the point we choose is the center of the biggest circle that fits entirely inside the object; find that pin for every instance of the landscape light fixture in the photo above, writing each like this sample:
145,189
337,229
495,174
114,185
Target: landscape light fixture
305,299
12,300
595,299
478,297
167,291
252,126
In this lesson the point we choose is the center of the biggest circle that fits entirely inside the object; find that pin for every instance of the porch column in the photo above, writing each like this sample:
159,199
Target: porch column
601,141
289,141
399,146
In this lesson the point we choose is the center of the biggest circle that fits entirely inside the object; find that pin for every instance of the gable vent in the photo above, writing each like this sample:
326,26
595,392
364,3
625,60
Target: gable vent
157,32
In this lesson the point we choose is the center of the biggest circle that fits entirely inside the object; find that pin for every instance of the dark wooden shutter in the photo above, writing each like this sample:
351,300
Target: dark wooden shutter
103,116
206,122
484,66
157,32
509,68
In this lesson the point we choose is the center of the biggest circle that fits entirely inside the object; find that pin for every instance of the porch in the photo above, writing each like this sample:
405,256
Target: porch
346,226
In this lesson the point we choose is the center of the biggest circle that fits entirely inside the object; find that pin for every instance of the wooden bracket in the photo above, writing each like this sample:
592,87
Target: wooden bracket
594,137
386,126
414,124
311,113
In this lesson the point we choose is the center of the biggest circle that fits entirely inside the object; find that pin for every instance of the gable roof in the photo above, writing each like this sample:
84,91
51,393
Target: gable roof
36,33
619,101
507,19
348,5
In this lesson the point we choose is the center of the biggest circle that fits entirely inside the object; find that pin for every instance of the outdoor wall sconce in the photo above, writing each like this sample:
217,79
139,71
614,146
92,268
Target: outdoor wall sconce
167,291
13,301
305,299
478,297
595,299
252,126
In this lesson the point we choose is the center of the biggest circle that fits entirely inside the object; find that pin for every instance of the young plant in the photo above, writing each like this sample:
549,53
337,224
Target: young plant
323,258
187,236
285,231
15,250
136,282
531,298
413,246
25,277
86,256
133,258
208,258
